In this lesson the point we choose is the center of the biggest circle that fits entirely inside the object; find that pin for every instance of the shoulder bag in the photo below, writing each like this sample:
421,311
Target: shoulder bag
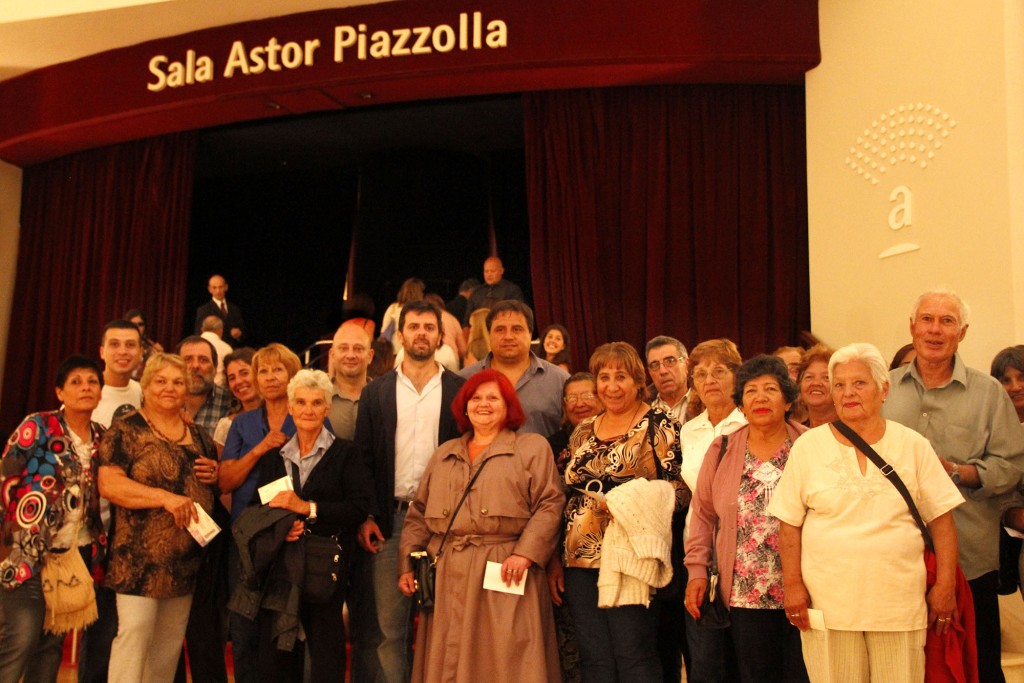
714,613
67,590
424,567
939,665
322,558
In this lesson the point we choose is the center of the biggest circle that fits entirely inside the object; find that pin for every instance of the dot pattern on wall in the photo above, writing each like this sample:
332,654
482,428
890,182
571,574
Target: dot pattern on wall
906,134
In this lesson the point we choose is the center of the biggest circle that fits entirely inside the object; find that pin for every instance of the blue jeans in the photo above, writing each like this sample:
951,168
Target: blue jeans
710,654
394,610
618,644
364,633
25,649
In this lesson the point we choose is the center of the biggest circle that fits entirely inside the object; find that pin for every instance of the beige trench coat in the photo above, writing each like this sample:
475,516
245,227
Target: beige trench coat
515,507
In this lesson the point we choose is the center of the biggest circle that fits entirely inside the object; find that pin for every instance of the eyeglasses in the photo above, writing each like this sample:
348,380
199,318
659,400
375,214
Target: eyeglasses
669,363
576,398
719,372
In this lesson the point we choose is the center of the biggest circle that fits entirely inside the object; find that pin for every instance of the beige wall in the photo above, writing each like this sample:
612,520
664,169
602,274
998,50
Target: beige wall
10,226
967,219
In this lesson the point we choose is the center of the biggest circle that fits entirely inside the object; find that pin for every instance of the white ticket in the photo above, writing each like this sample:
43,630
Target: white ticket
268,491
493,582
204,529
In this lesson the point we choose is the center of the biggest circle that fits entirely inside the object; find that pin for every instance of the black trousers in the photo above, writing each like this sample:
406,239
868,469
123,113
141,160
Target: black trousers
672,648
325,639
766,646
985,591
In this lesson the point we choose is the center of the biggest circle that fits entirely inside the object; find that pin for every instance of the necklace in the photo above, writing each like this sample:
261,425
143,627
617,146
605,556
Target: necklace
184,429
632,420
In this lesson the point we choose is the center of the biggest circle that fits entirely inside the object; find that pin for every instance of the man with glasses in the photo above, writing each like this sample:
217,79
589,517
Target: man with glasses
667,363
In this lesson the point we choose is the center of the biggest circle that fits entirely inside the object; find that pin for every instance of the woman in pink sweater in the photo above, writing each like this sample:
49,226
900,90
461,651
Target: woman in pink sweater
730,519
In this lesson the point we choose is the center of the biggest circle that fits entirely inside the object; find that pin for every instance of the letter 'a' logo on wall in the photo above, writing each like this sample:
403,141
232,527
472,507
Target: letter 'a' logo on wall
904,139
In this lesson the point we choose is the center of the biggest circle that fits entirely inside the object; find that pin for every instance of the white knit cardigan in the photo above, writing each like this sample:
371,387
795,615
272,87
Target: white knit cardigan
636,553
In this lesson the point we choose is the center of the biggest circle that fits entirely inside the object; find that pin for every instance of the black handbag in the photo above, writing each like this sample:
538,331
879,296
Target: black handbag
714,613
424,567
323,567
322,555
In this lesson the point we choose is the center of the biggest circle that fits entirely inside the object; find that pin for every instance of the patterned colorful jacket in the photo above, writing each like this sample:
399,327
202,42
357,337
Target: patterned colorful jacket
38,466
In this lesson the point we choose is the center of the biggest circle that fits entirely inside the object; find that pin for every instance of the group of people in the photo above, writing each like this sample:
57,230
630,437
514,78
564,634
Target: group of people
741,519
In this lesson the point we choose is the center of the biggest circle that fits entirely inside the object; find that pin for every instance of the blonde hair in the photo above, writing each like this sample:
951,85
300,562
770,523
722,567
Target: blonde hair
479,335
157,362
275,353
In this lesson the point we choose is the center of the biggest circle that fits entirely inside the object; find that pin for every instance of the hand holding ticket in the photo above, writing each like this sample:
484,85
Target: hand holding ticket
204,529
268,491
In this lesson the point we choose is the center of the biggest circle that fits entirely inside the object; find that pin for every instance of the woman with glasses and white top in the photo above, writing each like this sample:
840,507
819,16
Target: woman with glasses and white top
713,366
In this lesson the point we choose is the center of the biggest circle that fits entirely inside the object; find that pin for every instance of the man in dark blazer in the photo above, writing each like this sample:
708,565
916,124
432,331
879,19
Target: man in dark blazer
403,416
231,314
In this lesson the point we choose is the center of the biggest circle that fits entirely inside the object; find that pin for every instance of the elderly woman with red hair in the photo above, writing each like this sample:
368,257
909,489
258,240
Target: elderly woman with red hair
511,517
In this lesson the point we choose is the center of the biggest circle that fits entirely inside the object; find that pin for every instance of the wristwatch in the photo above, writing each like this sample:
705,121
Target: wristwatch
311,517
954,474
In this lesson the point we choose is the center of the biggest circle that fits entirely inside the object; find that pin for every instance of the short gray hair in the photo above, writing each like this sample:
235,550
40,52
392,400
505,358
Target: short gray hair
867,354
213,323
963,310
311,379
664,340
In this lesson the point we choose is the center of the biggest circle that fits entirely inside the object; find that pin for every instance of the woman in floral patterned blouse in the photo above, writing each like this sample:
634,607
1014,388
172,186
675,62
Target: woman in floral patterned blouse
730,511
50,505
629,440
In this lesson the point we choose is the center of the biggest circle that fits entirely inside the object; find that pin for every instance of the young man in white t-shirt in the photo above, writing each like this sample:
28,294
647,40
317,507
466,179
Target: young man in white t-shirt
121,351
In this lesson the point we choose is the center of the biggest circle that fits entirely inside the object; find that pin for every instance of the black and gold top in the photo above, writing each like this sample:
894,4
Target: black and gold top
149,555
595,467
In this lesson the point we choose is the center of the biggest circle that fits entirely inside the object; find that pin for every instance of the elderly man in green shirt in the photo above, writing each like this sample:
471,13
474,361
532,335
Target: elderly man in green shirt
972,425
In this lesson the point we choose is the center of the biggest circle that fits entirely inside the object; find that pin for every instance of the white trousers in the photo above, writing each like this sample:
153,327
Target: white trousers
149,636
864,656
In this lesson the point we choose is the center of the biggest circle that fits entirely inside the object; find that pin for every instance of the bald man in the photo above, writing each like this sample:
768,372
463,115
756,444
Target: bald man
494,289
231,314
349,358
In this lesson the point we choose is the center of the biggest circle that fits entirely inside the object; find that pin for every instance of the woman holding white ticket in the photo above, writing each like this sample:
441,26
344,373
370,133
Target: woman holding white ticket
508,525
851,550
324,481
156,470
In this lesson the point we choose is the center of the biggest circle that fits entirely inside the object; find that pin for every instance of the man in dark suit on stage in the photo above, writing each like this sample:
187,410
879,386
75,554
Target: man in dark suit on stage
403,416
231,314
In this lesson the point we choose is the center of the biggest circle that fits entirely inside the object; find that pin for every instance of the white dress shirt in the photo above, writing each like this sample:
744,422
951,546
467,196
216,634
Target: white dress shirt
416,433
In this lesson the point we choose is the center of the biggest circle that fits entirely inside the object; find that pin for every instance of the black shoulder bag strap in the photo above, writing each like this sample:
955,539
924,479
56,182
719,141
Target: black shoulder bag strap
725,444
458,507
654,453
889,473
713,569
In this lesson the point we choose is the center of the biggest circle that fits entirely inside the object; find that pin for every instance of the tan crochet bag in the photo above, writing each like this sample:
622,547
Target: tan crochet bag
68,590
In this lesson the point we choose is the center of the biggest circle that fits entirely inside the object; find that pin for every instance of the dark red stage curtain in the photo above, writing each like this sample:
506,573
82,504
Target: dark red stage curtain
102,231
677,210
